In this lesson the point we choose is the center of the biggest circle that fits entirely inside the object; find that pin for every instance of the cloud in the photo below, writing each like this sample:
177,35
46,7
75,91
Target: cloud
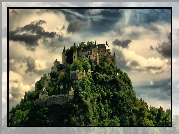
165,48
95,11
30,34
159,89
123,44
129,60
146,21
16,87
76,26
30,64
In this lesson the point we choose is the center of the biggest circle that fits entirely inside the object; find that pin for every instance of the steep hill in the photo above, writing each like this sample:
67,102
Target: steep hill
103,98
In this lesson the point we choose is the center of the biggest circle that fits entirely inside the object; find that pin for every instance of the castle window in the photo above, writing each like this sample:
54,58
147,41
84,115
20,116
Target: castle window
74,56
93,55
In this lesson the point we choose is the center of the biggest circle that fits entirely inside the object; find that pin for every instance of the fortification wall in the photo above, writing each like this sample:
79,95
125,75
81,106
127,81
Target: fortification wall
54,99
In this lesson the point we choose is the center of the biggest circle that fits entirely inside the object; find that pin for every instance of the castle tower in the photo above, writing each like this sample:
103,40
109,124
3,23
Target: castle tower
97,58
114,57
107,44
64,56
74,47
75,58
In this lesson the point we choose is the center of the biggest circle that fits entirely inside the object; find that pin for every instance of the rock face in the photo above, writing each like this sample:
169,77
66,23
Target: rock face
54,99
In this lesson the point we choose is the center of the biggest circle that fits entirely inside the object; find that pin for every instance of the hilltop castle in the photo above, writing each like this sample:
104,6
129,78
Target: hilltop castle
94,53
91,51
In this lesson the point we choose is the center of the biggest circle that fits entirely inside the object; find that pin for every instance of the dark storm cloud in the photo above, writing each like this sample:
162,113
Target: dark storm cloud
165,48
103,20
30,34
123,44
76,26
30,64
160,90
142,18
149,16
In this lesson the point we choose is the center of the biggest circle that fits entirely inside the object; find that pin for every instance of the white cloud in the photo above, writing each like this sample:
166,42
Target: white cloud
40,65
95,11
143,62
16,86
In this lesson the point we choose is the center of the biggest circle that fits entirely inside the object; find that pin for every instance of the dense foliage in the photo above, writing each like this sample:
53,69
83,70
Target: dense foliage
104,98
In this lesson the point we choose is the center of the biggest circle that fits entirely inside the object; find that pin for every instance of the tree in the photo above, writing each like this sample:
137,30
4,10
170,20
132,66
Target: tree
86,65
77,65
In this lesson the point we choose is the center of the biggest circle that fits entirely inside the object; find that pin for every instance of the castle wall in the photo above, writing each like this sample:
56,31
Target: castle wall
46,83
54,99
63,58
75,56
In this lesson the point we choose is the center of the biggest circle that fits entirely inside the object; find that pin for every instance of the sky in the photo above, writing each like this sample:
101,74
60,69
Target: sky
141,39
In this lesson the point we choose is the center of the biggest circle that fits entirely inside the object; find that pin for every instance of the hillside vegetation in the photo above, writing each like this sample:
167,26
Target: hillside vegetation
103,98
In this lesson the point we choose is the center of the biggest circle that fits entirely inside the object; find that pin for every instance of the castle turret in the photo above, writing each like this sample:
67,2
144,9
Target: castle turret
75,47
114,58
107,44
64,56
97,58
75,53
64,49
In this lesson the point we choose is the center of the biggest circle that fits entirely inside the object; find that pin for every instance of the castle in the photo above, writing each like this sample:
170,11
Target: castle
94,53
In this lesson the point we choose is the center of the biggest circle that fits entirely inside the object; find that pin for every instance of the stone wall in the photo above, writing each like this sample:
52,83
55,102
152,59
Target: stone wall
54,99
